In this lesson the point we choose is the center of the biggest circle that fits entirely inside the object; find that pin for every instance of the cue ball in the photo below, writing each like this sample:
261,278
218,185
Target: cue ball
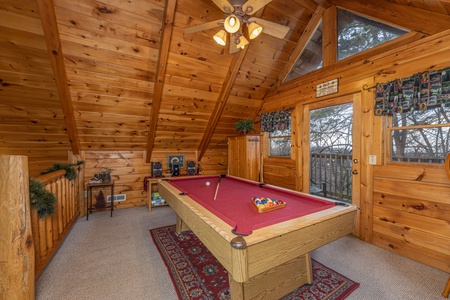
207,183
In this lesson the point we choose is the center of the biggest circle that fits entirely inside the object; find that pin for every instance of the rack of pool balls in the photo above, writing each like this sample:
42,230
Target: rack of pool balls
267,204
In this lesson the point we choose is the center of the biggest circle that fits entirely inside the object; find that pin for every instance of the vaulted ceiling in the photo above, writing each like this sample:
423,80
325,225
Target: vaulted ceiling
123,75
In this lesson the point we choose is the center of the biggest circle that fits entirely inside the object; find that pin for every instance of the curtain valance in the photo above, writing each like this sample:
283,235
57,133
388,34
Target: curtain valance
421,91
276,120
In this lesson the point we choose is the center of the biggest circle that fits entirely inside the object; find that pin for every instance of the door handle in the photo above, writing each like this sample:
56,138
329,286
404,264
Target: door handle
355,172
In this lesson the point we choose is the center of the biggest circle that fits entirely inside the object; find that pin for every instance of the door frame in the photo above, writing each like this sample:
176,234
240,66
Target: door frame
304,151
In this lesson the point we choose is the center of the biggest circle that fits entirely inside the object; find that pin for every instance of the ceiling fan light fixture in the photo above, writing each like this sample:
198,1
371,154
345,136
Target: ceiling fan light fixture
221,37
242,42
232,24
254,29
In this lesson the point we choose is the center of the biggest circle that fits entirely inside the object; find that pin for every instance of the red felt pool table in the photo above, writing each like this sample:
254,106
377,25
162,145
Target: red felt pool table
266,254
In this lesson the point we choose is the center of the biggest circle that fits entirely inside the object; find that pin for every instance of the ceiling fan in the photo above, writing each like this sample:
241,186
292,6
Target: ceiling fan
237,13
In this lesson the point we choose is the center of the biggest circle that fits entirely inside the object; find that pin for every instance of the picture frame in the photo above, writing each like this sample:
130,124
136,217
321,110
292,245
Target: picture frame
175,159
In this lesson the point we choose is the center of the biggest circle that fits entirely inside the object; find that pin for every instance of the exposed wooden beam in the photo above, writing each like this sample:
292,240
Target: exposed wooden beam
304,39
405,16
221,101
329,36
51,34
166,35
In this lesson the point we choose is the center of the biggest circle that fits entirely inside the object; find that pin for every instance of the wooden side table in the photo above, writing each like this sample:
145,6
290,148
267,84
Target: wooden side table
89,188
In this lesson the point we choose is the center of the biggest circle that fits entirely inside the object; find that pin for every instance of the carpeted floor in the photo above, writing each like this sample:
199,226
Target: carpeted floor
115,258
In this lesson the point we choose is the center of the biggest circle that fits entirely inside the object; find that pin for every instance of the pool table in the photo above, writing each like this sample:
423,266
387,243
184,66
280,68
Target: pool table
267,255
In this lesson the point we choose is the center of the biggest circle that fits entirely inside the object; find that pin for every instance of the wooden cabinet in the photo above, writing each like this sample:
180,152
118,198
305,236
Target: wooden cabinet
244,156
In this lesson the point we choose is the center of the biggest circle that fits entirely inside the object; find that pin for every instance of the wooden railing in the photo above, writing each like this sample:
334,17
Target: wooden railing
335,170
49,232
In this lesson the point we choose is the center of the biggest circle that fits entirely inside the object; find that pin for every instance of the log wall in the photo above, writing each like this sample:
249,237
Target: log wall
128,170
418,229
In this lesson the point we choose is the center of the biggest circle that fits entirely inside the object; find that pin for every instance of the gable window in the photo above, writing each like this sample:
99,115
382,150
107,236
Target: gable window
278,124
420,136
357,33
311,57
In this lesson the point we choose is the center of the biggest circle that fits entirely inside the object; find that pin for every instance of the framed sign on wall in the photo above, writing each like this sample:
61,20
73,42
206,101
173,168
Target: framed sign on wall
177,159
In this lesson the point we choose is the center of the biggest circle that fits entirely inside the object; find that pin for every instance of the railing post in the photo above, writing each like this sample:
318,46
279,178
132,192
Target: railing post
17,267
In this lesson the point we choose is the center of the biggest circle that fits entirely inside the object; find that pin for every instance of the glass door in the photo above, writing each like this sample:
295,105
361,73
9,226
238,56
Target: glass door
331,153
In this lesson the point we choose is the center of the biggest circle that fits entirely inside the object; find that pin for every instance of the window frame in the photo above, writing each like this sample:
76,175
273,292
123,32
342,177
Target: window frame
389,129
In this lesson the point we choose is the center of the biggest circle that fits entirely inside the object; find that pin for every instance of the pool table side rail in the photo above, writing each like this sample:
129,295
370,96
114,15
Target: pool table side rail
296,237
213,232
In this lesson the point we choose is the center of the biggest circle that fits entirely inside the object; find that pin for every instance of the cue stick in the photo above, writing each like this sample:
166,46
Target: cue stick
217,188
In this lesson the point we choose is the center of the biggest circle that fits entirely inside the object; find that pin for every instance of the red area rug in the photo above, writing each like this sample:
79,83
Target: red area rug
197,274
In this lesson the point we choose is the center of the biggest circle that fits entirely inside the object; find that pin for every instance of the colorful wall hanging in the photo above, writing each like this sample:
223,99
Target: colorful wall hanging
421,91
276,120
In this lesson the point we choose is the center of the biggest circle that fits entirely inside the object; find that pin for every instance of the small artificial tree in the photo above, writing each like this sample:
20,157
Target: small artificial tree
100,200
244,126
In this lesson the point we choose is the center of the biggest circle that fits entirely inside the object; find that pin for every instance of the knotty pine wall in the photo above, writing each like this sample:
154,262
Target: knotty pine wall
398,211
128,170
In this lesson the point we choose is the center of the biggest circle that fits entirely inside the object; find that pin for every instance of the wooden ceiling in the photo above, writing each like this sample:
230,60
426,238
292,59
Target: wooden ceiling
122,74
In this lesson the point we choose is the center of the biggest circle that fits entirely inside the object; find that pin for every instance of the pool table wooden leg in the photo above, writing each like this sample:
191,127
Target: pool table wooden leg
180,226
274,283
447,289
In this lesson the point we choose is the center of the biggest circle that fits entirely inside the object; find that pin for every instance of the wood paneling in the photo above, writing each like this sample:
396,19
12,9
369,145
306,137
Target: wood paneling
404,208
279,172
128,169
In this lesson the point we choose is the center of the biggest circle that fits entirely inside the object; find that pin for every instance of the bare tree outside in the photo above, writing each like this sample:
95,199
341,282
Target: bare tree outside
331,150
280,142
421,136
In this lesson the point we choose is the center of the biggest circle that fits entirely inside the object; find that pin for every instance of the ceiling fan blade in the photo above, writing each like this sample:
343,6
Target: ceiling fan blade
255,5
271,28
204,26
224,5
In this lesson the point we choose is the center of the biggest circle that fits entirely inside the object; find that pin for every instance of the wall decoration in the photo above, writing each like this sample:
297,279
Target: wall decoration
421,91
327,88
175,159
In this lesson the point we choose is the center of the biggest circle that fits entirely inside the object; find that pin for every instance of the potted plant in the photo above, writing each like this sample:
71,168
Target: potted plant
244,126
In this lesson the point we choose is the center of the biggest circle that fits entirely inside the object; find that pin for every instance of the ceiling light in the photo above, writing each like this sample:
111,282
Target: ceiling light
221,37
254,29
242,42
232,24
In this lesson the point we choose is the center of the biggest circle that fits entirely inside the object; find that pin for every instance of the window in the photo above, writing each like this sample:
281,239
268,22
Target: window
278,125
420,136
357,33
311,57
280,142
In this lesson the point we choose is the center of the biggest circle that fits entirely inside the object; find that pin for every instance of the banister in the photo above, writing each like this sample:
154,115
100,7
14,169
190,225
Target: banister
49,177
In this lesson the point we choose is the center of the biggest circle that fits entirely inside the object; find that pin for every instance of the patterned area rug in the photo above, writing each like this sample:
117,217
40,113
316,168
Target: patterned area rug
197,274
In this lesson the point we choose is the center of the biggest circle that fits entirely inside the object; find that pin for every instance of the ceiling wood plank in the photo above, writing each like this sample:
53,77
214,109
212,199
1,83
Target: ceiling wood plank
224,95
304,39
221,101
169,15
409,17
51,33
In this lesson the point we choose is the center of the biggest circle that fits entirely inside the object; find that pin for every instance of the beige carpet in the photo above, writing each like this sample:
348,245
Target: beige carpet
114,258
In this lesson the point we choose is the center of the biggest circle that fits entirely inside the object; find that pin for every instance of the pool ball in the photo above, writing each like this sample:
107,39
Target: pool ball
207,183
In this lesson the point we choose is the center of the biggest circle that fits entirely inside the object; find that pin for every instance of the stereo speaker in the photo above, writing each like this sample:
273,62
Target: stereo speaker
156,169
191,167
175,170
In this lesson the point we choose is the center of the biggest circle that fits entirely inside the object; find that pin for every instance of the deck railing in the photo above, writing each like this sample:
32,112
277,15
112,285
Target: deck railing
335,170
49,232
